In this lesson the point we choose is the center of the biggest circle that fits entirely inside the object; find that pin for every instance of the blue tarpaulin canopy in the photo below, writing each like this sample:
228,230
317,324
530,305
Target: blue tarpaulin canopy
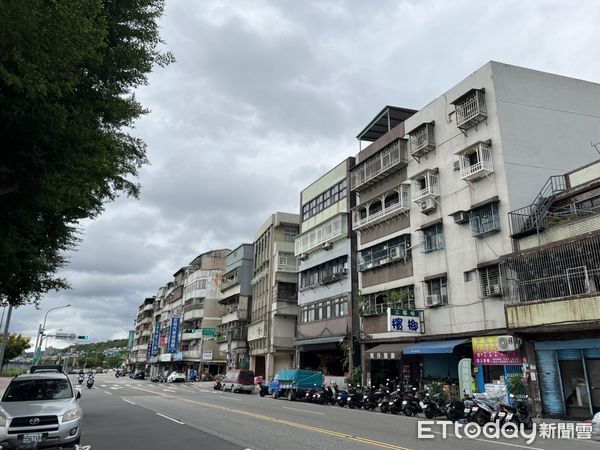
433,347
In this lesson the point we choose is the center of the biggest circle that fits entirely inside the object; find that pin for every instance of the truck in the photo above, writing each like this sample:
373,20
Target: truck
294,383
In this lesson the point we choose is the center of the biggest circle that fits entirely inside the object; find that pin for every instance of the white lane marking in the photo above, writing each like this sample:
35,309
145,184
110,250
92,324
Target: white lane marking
127,401
230,398
304,410
127,385
94,387
103,385
170,418
106,392
494,442
169,390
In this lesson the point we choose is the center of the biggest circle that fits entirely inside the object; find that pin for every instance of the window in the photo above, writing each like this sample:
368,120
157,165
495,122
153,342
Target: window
590,203
324,200
289,235
432,238
469,276
286,292
324,309
396,249
324,273
437,289
490,282
484,219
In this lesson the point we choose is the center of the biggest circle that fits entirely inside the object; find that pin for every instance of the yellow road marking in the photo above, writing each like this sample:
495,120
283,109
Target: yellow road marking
282,421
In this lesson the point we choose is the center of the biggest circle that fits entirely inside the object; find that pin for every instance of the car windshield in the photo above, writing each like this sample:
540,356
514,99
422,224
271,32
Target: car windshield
31,390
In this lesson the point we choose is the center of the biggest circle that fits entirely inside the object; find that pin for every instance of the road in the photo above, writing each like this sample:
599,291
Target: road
134,414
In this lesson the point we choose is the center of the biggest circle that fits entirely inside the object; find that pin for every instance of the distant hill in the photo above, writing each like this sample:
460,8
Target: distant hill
99,347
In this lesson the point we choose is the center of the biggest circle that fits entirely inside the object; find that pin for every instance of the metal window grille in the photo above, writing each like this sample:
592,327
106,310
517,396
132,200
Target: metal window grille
490,281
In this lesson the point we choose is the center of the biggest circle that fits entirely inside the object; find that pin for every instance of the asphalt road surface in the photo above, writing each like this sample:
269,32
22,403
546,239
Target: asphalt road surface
121,413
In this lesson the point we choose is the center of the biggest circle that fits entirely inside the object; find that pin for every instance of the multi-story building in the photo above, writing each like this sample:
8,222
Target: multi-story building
433,192
274,296
236,301
138,355
327,281
553,281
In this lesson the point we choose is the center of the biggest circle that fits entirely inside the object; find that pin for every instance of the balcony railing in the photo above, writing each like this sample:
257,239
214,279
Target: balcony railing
236,334
422,140
191,355
260,274
476,162
393,254
388,160
359,223
426,186
228,282
322,236
193,304
470,109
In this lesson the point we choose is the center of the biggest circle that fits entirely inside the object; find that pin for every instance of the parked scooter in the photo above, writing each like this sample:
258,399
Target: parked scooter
217,385
517,413
371,399
434,407
355,398
411,405
342,398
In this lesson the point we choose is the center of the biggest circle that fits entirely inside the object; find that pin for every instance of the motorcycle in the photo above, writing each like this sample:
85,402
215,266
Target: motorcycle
396,401
217,385
355,398
81,378
371,399
455,411
263,389
90,382
342,398
517,413
434,408
412,405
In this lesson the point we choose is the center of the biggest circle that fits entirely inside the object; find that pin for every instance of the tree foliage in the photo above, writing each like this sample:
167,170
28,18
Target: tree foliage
67,73
16,345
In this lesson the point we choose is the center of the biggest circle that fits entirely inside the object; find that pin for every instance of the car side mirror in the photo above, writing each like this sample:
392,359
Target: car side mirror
78,395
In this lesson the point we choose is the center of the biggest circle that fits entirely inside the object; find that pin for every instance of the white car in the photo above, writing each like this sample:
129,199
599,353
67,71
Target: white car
176,377
596,427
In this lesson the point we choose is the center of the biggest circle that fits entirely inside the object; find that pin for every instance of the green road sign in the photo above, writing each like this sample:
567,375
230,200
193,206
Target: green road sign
209,332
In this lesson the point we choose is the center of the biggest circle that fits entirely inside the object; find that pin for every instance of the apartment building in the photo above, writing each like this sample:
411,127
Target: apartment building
433,190
553,289
327,281
274,296
236,301
138,355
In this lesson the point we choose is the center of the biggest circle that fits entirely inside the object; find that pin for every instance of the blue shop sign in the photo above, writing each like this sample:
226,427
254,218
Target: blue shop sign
173,335
156,338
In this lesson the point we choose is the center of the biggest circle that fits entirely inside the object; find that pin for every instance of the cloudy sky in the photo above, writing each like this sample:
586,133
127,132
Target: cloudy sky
264,98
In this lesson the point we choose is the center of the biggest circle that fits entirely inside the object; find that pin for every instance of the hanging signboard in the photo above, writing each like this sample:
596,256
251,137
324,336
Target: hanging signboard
173,335
156,338
486,352
408,320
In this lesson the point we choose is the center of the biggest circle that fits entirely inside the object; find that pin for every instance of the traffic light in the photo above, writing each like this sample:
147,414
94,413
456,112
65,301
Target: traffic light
82,337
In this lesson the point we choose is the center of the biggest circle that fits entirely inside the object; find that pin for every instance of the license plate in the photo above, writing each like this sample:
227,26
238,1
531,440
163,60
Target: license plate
339,397
508,417
493,417
33,437
422,404
404,402
501,414
475,408
467,410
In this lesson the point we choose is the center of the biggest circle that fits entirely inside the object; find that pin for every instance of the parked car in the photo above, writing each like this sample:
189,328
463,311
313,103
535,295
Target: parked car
239,380
46,400
46,369
138,375
176,377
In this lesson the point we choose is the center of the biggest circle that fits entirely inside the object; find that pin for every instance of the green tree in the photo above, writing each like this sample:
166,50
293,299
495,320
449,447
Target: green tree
68,70
16,345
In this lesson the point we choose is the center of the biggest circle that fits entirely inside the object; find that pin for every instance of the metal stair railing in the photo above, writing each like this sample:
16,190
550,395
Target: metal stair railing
534,218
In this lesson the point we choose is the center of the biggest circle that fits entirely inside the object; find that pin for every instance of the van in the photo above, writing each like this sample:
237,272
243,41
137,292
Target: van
238,381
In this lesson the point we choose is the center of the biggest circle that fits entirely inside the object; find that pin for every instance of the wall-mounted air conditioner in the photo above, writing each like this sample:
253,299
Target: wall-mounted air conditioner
433,300
508,343
461,217
427,206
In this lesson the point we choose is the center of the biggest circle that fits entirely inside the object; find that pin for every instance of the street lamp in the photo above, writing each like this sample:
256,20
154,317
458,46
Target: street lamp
41,329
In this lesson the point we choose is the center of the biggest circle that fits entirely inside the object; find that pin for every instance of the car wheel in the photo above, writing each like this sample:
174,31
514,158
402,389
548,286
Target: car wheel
291,397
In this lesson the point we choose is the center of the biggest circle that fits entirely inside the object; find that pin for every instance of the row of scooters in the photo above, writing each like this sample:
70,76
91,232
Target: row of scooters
479,408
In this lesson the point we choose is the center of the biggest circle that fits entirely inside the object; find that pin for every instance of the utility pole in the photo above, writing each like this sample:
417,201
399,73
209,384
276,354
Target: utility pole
5,337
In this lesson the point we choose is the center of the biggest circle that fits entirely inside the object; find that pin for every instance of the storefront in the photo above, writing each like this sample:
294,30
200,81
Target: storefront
385,362
322,353
569,373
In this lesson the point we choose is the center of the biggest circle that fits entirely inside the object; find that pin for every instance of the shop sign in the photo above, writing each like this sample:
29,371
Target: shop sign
162,341
385,355
407,320
149,350
207,356
165,357
173,335
153,359
130,340
179,356
155,338
486,351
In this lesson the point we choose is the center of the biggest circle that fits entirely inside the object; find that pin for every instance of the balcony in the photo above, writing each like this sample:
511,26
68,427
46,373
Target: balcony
322,237
260,274
476,161
229,281
149,307
232,314
470,109
284,309
377,167
192,355
422,140
237,334
384,256
191,336
144,321
381,208
257,330
146,332
425,186
287,262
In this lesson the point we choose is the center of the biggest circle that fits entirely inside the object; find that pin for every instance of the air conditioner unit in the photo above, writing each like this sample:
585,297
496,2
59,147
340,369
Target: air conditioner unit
395,253
461,217
326,245
427,206
496,289
433,300
508,343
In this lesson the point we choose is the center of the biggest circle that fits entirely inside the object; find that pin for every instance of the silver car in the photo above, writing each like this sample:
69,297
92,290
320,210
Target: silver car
40,409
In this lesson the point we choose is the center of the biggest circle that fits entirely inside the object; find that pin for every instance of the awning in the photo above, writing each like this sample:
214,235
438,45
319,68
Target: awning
320,340
433,347
387,351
